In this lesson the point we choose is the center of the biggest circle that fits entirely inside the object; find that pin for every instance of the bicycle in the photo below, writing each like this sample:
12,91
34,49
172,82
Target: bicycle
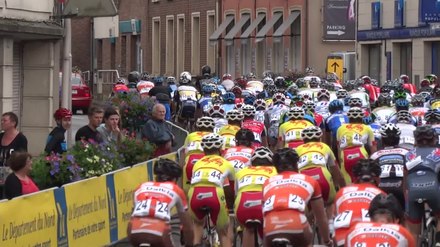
281,242
211,238
428,227
255,224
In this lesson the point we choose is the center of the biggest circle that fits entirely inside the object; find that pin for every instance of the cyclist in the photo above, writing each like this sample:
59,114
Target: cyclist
384,110
423,167
186,98
334,121
411,88
272,117
317,160
355,142
352,202
435,98
228,101
418,108
240,155
153,201
205,102
286,197
171,81
392,160
228,131
218,114
193,150
310,114
401,105
206,190
119,87
56,141
404,123
289,134
370,88
249,189
323,97
260,109
144,85
258,129
386,229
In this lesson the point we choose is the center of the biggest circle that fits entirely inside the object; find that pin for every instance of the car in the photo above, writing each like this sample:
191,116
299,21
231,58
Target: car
81,94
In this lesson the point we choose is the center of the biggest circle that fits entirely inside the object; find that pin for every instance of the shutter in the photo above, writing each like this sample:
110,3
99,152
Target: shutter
17,75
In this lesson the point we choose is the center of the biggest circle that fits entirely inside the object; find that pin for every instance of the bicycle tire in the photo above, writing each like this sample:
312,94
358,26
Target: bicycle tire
431,230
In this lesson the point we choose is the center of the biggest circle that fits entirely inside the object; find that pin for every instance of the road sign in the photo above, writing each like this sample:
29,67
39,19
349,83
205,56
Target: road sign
336,65
339,19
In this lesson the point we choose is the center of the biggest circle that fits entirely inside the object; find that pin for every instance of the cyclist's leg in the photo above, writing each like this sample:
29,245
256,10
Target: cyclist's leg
289,224
248,208
149,230
415,210
349,158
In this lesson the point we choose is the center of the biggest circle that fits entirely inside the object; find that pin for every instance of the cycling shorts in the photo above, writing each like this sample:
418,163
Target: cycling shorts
295,144
349,157
285,222
393,186
212,197
249,206
191,160
422,185
151,230
325,181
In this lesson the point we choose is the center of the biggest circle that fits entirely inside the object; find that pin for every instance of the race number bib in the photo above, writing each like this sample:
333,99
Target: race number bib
296,202
292,135
194,146
229,141
257,137
207,175
318,159
365,215
143,208
343,219
303,161
238,165
407,140
268,204
386,170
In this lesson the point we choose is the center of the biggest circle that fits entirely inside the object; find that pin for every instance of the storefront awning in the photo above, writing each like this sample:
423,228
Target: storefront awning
286,24
215,36
262,33
252,27
231,35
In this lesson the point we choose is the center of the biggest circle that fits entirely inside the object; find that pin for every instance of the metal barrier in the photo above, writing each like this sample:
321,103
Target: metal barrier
103,83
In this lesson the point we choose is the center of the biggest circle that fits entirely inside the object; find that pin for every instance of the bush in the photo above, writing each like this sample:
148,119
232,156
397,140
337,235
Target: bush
135,151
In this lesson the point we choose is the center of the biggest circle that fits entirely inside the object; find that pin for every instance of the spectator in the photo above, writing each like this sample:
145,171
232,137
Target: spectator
89,132
163,95
10,140
157,131
56,141
109,130
19,183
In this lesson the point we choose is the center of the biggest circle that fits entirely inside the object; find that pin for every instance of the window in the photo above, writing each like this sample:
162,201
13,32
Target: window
295,44
374,61
436,58
278,58
210,49
406,59
180,47
261,49
230,56
123,68
195,44
169,60
155,53
245,50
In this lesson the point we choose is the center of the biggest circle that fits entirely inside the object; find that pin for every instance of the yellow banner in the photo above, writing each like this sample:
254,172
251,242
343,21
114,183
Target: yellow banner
87,212
126,182
29,221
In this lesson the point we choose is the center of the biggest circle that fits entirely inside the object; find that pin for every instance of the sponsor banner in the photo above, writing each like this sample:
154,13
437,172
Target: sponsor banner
125,182
29,220
88,212
339,20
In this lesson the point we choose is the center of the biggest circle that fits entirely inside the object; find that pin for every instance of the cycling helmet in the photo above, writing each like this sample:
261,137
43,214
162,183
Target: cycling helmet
248,110
280,82
306,96
384,99
250,99
341,93
309,106
167,170
229,98
278,98
216,111
309,70
62,113
432,116
355,102
425,133
286,159
244,137
385,89
207,89
236,91
251,76
171,80
145,76
431,77
292,89
268,73
234,115
262,153
217,99
185,78
314,83
158,80
260,105
435,92
121,81
300,82
238,106
366,79
389,129
367,120
399,94
323,93
267,81
355,113
404,79
425,83
206,70
134,76
402,104
404,117
205,122
366,170
242,82
386,204
212,141
418,100
335,105
295,113
311,133
271,90
226,77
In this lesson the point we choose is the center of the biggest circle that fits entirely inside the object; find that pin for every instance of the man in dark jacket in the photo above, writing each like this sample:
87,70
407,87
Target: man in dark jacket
156,131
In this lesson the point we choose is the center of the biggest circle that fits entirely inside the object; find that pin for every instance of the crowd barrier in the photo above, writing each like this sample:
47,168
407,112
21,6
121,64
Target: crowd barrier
92,212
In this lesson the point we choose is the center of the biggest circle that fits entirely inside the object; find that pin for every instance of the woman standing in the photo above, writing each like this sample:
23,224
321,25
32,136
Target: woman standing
19,183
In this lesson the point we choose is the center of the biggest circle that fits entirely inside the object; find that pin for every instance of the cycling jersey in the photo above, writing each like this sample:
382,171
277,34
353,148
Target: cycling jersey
205,103
393,119
351,204
378,235
211,170
219,123
410,87
419,114
228,107
193,142
322,108
240,156
259,116
257,129
383,113
435,104
186,93
255,86
290,132
144,86
334,121
406,135
228,133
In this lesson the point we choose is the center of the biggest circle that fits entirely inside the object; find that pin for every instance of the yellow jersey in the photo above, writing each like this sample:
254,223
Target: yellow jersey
354,135
193,142
252,178
290,131
315,154
228,133
212,170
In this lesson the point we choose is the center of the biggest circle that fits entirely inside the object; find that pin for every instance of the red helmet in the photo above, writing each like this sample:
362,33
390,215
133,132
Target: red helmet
241,82
404,78
425,83
62,113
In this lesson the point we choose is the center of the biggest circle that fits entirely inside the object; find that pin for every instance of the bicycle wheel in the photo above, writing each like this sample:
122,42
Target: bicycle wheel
431,229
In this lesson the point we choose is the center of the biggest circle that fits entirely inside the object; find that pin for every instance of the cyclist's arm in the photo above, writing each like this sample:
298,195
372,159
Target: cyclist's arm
371,142
321,218
188,230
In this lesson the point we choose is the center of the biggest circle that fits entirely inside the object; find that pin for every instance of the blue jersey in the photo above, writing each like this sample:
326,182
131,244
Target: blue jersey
228,107
335,121
205,103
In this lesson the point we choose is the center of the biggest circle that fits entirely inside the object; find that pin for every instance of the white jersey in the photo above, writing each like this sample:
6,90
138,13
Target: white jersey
406,133
219,122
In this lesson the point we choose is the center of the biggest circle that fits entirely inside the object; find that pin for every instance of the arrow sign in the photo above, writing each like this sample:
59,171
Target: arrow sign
335,66
338,32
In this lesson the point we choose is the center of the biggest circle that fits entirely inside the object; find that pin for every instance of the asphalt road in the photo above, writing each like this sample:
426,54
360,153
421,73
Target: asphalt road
78,121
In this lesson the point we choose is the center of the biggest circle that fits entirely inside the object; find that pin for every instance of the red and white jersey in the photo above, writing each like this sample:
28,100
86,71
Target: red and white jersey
156,199
240,156
379,234
144,86
256,127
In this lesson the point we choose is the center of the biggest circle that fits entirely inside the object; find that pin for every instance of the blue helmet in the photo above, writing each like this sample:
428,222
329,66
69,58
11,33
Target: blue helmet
402,104
207,89
368,120
250,99
335,105
229,98
158,80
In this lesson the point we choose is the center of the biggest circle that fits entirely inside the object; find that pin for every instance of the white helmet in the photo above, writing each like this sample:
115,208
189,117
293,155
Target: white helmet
311,132
355,112
248,110
205,122
212,141
262,153
234,115
295,113
185,77
389,129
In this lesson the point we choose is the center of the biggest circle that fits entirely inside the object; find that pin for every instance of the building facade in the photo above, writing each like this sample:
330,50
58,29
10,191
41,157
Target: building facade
397,37
275,35
29,66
